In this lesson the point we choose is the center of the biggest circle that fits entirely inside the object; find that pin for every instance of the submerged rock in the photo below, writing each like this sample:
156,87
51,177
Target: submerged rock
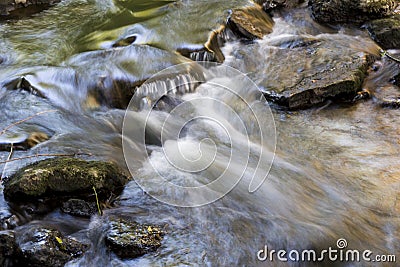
59,177
42,246
336,11
130,239
79,207
98,78
383,81
386,32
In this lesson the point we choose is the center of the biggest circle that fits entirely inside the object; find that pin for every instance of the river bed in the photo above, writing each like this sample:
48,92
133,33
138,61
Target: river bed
336,169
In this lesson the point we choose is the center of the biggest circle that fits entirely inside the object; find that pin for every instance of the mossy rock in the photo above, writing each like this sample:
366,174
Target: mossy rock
129,239
58,177
43,246
357,11
386,32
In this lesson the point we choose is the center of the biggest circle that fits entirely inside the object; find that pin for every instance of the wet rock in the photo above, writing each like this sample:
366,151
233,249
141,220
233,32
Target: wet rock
8,221
102,78
382,83
269,5
214,43
358,11
42,246
59,177
396,80
302,72
386,32
8,247
21,8
250,22
388,95
79,207
130,239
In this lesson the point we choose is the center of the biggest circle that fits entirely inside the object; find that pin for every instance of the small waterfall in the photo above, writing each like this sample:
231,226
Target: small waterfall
153,89
202,56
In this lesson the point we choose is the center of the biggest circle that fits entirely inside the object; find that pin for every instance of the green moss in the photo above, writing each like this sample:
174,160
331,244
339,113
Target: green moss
64,176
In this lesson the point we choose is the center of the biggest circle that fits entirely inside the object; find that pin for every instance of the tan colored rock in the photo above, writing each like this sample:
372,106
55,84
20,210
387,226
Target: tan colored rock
250,22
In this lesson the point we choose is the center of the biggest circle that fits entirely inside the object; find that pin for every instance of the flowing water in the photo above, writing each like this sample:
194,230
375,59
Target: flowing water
335,172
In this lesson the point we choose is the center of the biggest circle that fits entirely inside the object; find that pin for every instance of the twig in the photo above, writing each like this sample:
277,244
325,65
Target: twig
46,155
8,159
97,202
26,119
386,53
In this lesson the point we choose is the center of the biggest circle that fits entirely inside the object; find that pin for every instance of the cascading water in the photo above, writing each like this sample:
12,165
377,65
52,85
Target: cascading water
206,160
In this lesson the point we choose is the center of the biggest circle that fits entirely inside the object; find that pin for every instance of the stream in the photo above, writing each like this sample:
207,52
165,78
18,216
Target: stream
315,175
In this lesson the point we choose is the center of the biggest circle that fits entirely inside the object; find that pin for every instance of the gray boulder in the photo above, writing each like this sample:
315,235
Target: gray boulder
304,71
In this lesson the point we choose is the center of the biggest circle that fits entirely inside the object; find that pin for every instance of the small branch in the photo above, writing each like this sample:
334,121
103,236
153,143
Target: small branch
26,119
46,155
385,53
97,202
8,159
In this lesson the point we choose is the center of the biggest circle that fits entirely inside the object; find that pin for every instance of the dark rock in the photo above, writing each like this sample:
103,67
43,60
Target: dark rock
8,221
396,80
269,5
250,22
127,40
79,207
8,247
21,8
391,102
382,83
59,177
130,239
41,246
386,32
358,11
